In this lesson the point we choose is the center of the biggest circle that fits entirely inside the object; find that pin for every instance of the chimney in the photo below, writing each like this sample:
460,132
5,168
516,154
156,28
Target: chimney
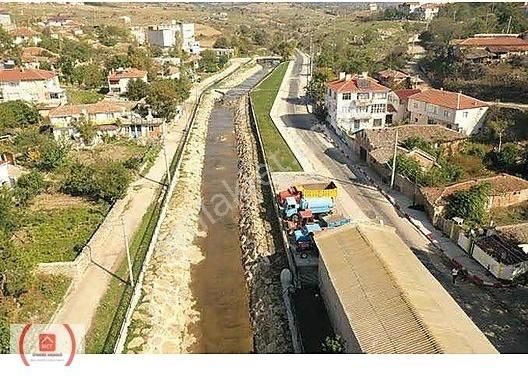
364,74
342,76
348,77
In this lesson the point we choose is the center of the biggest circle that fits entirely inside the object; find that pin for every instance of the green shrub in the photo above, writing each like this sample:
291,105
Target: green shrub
471,205
28,186
16,114
17,269
52,155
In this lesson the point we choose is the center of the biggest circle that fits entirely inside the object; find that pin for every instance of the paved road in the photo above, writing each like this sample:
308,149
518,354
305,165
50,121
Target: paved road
501,314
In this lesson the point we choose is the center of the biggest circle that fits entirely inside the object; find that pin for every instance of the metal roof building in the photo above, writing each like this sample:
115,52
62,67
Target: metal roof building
381,299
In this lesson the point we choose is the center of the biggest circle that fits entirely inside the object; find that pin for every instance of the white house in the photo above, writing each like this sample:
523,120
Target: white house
24,35
5,20
455,110
4,174
118,80
164,36
398,103
32,85
356,102
111,117
139,34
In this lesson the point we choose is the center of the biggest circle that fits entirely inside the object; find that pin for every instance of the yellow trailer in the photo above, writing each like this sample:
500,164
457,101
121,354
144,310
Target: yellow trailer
319,190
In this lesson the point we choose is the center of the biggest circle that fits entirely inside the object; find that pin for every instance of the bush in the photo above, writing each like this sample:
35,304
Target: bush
109,182
137,89
16,114
28,186
471,205
8,212
17,269
52,155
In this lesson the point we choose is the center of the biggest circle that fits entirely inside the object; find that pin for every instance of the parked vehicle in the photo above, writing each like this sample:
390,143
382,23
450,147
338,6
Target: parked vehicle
316,190
318,206
334,220
303,236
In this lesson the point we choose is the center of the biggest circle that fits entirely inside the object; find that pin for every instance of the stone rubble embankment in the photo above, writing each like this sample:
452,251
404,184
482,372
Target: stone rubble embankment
165,311
261,259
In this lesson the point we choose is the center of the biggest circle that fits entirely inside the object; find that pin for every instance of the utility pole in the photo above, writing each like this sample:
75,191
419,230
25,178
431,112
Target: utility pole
509,25
393,175
131,275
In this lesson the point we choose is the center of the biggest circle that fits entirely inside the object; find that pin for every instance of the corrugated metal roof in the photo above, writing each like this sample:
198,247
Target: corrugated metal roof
393,308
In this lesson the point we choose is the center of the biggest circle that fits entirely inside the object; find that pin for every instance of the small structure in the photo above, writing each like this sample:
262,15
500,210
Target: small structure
501,255
118,80
456,111
492,47
32,57
381,299
393,78
5,20
506,190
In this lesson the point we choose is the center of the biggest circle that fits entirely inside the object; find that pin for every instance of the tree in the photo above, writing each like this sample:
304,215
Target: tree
137,90
284,49
471,204
6,42
418,142
16,268
164,96
112,181
80,181
17,114
222,42
28,186
52,155
498,127
87,130
209,61
91,76
506,160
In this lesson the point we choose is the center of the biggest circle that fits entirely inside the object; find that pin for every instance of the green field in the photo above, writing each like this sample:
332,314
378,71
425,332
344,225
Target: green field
59,234
80,96
279,156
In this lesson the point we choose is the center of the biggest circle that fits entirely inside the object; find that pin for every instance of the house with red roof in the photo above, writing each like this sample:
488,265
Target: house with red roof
24,35
118,80
37,86
493,46
356,102
397,105
456,111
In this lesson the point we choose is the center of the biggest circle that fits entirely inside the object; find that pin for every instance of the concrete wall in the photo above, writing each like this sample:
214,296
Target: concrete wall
499,270
336,312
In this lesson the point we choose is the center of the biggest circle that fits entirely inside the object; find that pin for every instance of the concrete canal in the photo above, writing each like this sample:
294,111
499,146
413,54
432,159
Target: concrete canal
218,281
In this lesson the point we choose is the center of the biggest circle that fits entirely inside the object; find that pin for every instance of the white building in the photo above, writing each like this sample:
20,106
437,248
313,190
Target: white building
138,33
164,36
454,110
118,80
24,35
5,20
4,174
32,85
398,105
356,102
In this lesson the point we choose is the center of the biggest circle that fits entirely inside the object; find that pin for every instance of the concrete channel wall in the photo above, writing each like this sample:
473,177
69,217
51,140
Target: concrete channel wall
267,183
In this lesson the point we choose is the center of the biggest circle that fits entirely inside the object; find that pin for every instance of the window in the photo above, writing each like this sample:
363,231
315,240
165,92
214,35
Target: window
465,114
362,109
431,121
380,95
347,96
415,104
363,96
356,124
377,108
377,122
446,113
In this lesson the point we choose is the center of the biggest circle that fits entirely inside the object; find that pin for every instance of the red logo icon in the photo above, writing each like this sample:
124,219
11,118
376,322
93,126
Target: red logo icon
47,342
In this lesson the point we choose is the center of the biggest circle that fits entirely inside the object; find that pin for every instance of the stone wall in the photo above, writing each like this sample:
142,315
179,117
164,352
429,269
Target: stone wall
262,259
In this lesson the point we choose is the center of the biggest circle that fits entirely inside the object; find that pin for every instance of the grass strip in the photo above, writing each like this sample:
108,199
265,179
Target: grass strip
279,155
104,331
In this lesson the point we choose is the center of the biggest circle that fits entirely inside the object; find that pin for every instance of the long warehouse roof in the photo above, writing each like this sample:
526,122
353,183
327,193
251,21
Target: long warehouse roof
393,303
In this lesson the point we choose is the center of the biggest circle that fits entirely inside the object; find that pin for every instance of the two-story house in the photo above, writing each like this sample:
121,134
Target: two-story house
397,105
31,85
118,80
356,102
456,111
111,117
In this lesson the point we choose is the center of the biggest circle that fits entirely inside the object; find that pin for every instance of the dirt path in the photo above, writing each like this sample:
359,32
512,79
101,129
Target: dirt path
108,248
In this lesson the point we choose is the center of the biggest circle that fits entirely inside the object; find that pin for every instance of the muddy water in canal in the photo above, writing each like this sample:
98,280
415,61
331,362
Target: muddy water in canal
218,282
